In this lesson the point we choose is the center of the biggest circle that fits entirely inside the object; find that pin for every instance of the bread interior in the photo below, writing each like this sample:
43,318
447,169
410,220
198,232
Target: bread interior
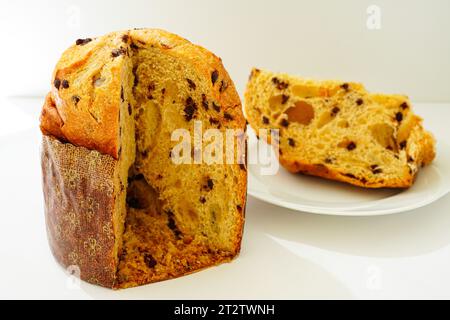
172,219
371,140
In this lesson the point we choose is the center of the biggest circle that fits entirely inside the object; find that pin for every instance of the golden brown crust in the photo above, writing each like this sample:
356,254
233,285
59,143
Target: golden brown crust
82,121
51,122
88,116
321,170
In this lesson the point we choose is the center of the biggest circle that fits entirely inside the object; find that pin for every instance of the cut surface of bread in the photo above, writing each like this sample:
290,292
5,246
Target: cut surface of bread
119,98
338,130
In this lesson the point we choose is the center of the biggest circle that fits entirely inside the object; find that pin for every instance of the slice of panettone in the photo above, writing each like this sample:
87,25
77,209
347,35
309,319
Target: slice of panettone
339,131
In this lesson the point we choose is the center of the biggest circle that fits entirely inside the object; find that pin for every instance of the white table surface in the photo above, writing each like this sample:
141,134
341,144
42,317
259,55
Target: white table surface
285,254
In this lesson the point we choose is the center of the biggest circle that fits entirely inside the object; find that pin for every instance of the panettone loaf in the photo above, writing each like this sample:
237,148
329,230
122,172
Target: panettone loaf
117,206
338,130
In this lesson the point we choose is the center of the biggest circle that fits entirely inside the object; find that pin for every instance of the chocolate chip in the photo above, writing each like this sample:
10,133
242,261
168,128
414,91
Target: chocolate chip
402,145
265,120
191,84
410,159
216,107
149,260
335,111
227,116
121,94
404,106
76,99
190,109
163,91
214,76
253,73
345,86
134,46
291,142
65,84
284,123
214,121
389,148
202,199
376,169
172,225
350,175
363,180
284,98
281,85
170,221
136,77
133,202
205,104
328,161
359,101
239,208
399,116
82,42
57,83
125,38
223,86
165,45
210,184
118,52
242,167
351,146
130,110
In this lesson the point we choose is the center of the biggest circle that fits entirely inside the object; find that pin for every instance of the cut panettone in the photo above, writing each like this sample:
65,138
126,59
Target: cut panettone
117,205
338,130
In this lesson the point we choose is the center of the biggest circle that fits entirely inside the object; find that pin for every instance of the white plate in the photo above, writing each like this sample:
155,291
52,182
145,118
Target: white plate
316,195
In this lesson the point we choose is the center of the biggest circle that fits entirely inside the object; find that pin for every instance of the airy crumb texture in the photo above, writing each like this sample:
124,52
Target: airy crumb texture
121,96
338,130
155,249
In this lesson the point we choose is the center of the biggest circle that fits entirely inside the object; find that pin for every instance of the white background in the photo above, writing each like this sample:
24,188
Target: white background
319,39
285,254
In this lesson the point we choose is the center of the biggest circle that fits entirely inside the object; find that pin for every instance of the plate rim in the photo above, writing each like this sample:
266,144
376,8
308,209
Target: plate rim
349,213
